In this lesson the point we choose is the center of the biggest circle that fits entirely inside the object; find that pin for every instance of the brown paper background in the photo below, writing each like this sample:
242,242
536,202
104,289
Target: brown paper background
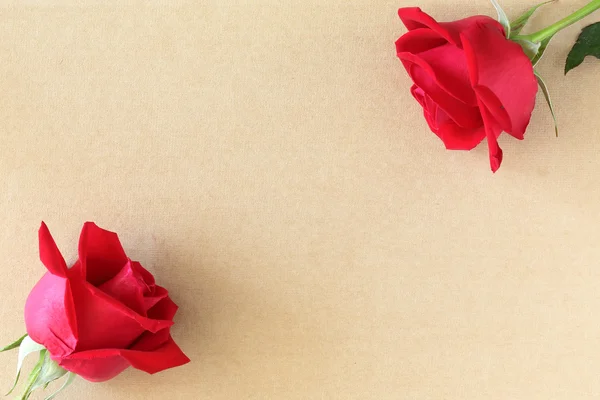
266,161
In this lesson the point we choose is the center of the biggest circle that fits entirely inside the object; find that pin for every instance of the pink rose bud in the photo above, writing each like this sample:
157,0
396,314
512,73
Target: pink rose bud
103,314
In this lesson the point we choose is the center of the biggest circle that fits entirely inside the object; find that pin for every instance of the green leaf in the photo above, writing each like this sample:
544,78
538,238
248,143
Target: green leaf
70,378
548,100
26,347
502,18
13,345
543,46
588,44
518,24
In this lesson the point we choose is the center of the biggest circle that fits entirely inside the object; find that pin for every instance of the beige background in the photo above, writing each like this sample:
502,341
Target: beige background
266,161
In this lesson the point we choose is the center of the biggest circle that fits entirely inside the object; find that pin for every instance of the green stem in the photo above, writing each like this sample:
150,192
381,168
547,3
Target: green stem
563,23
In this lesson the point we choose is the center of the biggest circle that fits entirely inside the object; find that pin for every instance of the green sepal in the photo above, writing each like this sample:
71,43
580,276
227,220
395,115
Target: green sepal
50,372
587,44
14,344
531,49
14,383
502,18
70,378
26,347
543,46
45,371
548,100
33,376
518,24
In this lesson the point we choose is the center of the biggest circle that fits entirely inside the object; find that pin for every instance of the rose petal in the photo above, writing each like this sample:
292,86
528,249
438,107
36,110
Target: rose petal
453,136
104,322
144,273
95,365
50,317
101,255
418,94
169,355
158,294
50,254
164,309
418,41
151,341
425,78
492,131
127,287
456,137
105,364
429,107
451,73
413,18
445,63
502,76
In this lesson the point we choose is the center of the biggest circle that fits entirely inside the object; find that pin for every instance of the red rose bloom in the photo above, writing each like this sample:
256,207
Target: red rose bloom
102,315
471,81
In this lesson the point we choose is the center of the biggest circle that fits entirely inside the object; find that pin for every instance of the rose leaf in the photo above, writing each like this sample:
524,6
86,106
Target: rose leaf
587,44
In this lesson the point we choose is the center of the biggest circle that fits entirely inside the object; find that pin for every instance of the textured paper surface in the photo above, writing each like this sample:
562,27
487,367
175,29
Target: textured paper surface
266,161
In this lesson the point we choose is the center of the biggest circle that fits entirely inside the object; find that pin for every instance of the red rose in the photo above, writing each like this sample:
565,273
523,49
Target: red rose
471,81
102,315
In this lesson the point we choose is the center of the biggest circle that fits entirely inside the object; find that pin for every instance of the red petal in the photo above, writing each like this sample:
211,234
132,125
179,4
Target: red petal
127,287
159,294
425,78
167,356
429,107
144,273
50,316
450,68
418,94
418,41
445,63
453,136
50,254
104,322
100,254
95,365
164,309
151,341
492,131
456,137
502,76
105,364
413,18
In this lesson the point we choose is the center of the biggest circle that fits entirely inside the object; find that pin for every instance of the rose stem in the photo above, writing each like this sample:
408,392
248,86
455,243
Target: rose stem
563,23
